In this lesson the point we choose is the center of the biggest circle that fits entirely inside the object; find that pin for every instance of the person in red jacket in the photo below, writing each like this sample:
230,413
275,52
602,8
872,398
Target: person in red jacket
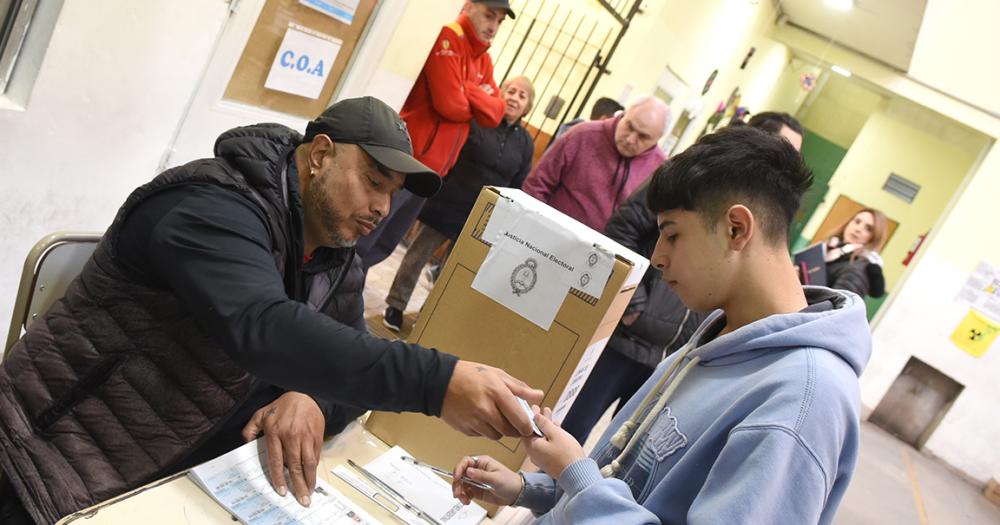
455,87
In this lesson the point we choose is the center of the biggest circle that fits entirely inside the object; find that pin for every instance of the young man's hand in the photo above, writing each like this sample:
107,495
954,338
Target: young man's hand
506,483
557,450
293,430
480,402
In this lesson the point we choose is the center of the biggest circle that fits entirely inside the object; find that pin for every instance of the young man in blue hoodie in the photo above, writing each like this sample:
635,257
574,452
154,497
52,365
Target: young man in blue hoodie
756,419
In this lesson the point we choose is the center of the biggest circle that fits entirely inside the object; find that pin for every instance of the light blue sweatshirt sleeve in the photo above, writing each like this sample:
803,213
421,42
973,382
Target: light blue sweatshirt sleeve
592,499
764,475
539,494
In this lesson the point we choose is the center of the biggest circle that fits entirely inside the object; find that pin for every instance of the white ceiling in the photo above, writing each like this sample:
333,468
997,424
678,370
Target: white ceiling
885,30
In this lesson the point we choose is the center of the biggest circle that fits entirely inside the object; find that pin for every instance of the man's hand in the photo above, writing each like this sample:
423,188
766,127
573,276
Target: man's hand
557,450
293,429
480,402
629,319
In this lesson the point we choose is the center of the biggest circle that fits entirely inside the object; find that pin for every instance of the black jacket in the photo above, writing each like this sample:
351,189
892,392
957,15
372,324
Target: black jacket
861,276
156,350
664,323
490,157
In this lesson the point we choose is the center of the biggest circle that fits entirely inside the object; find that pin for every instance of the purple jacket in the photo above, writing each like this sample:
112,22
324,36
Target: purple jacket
584,176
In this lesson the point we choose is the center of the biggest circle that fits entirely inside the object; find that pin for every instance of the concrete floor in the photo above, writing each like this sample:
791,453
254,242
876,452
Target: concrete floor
893,483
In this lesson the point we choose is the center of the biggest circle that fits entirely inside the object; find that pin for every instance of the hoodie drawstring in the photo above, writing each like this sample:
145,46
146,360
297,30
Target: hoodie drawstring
625,438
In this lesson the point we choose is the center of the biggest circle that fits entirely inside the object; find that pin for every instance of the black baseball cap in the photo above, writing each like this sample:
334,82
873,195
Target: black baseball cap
378,130
498,4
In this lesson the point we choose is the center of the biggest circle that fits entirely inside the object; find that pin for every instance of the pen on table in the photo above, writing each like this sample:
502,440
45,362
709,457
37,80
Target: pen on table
392,492
442,472
385,502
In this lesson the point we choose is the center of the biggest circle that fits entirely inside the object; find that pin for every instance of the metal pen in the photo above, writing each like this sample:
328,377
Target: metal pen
392,492
442,472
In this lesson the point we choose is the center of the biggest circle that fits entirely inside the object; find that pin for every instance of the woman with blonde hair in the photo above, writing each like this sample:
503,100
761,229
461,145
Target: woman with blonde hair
852,256
499,156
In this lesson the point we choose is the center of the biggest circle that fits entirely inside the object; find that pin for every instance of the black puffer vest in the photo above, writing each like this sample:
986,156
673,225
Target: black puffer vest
116,384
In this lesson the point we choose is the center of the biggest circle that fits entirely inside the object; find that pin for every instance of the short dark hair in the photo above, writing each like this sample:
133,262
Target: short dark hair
734,165
772,121
605,107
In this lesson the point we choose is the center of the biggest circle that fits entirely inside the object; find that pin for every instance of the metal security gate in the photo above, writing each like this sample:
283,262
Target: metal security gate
564,48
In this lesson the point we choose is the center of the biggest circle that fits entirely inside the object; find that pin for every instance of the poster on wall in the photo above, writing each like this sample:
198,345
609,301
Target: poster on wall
981,291
342,10
303,62
975,334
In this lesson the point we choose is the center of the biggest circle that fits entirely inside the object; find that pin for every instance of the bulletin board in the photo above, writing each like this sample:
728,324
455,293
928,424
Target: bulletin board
246,85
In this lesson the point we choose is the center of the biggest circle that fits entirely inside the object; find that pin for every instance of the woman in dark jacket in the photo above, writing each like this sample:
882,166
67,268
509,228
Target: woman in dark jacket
490,157
852,259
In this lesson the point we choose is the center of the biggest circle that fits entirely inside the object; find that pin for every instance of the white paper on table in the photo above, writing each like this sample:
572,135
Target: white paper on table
342,10
239,482
303,62
376,495
424,489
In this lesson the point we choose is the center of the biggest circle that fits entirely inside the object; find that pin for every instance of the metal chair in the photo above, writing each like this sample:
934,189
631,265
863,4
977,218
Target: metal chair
51,265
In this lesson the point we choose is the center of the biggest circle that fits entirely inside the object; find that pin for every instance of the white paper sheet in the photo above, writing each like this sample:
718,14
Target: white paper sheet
374,494
534,261
303,62
237,480
342,10
981,291
521,201
424,489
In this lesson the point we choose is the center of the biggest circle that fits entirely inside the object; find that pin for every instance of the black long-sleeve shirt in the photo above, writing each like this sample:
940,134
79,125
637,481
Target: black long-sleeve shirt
211,247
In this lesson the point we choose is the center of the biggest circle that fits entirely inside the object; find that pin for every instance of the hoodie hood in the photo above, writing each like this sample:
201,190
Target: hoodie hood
828,323
259,151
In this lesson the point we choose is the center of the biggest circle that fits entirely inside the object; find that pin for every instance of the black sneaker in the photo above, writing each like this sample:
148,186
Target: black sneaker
393,319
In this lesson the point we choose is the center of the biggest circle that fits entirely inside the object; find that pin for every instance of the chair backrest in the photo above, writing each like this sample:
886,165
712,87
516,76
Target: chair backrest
50,266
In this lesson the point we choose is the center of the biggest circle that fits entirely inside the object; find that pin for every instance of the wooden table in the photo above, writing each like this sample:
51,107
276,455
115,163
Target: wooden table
178,500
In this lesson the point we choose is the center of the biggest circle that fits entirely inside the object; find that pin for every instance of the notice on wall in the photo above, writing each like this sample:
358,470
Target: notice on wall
981,291
303,62
975,334
342,10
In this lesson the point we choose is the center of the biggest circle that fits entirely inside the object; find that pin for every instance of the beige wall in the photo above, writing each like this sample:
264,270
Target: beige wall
956,50
886,145
694,38
921,318
840,109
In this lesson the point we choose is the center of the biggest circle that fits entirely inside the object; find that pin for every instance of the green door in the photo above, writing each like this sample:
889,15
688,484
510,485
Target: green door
823,157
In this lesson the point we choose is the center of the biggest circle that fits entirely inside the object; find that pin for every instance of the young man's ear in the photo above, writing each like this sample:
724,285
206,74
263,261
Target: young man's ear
740,226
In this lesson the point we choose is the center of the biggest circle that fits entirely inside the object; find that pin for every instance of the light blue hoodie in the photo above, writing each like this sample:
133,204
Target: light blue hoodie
762,429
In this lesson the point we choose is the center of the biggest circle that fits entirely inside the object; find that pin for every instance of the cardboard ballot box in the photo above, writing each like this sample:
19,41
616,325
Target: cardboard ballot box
525,289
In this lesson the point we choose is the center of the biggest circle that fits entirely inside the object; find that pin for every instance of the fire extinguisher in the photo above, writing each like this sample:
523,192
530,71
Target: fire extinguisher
914,248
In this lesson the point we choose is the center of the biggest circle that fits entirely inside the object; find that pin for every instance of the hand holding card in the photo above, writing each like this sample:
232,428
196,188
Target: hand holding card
531,417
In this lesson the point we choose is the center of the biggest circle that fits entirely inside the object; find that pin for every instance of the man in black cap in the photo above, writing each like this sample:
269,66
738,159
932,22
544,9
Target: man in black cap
224,301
